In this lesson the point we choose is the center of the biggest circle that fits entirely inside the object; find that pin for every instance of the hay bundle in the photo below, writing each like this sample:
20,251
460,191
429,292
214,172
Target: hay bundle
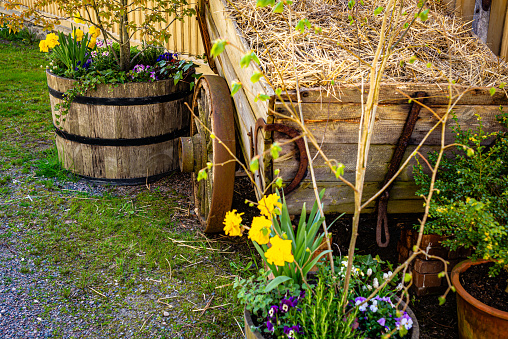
443,45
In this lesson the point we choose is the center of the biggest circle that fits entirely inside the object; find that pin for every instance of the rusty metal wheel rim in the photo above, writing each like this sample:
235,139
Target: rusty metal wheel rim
213,197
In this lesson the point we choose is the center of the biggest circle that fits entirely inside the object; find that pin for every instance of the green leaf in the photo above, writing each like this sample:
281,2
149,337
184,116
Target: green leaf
278,92
278,182
338,170
442,300
407,277
412,59
262,97
429,65
492,91
255,58
406,25
378,10
453,288
300,26
264,3
424,15
501,85
275,149
351,4
202,174
441,274
245,61
218,47
235,87
256,76
470,152
254,164
279,8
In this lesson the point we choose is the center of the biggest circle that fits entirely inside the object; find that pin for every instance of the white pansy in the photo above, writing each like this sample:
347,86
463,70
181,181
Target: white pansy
375,283
373,308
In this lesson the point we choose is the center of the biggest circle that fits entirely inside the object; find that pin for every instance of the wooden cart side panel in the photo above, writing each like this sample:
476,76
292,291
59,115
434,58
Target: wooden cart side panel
338,198
228,29
390,122
437,94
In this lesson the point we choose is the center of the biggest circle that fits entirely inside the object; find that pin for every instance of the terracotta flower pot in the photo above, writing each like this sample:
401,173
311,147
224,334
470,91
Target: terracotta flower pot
477,320
249,334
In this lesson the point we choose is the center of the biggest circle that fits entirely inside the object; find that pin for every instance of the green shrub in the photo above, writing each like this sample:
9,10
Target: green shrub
470,202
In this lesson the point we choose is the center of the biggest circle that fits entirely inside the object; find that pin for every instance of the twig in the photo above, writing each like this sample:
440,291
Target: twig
99,293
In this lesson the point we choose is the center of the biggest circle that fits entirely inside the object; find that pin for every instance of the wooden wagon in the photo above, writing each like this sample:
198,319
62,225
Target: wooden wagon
249,125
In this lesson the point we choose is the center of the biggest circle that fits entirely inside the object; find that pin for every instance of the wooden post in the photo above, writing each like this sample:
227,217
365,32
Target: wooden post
496,25
480,21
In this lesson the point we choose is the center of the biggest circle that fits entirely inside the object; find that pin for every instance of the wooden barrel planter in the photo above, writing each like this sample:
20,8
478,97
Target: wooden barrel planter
122,134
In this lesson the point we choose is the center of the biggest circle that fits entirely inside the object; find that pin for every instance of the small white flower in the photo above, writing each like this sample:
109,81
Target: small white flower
363,308
400,287
375,283
344,263
390,273
364,287
55,67
369,287
385,276
51,63
373,308
374,302
369,272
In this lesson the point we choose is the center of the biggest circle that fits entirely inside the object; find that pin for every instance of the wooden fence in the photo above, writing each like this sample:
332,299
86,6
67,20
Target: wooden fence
185,36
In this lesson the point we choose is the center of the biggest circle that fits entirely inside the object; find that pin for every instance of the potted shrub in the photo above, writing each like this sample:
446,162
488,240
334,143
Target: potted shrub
295,305
118,108
470,208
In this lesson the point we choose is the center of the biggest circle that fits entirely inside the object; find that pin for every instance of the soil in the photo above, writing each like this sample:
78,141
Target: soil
489,290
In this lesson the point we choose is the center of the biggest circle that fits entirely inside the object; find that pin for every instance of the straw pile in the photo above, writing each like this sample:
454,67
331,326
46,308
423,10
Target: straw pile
440,42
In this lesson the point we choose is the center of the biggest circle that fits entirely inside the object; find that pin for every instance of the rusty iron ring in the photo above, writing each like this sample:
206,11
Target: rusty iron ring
293,134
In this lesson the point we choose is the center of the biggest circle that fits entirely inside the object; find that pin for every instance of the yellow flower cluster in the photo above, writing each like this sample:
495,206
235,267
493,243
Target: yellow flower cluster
280,252
260,230
50,42
94,33
232,224
77,34
269,205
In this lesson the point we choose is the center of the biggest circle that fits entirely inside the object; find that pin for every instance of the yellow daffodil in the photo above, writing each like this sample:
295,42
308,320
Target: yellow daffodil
260,230
232,223
77,19
94,32
91,43
77,34
52,40
43,46
269,205
280,252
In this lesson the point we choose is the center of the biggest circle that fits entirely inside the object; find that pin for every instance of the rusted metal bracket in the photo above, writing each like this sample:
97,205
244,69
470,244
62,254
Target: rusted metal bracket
293,134
382,203
205,36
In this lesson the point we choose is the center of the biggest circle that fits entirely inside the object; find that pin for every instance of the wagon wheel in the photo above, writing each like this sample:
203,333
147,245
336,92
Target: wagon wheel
213,107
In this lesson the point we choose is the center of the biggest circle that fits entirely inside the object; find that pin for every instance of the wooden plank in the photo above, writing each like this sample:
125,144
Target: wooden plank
339,198
379,161
504,45
228,29
351,112
390,122
496,25
466,9
393,93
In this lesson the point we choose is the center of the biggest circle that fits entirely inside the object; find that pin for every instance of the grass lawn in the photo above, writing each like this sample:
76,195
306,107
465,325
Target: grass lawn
126,261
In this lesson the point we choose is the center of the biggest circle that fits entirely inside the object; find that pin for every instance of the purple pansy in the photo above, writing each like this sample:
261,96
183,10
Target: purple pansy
272,312
270,326
382,321
292,331
285,305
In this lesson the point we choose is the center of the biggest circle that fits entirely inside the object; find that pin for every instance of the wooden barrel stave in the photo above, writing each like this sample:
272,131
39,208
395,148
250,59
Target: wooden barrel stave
118,143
